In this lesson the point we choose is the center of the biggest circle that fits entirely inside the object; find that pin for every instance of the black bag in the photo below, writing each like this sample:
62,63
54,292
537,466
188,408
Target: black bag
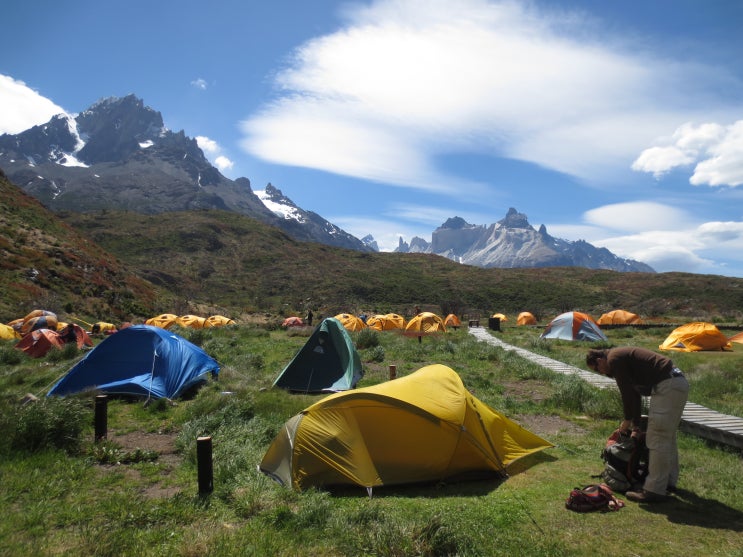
626,461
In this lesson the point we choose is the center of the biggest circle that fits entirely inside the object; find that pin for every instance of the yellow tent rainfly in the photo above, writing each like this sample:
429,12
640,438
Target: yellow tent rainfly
423,427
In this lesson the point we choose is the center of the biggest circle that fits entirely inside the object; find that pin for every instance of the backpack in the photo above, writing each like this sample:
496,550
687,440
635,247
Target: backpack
625,461
593,497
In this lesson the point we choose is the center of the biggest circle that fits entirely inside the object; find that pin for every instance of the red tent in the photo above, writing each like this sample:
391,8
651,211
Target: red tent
292,322
37,343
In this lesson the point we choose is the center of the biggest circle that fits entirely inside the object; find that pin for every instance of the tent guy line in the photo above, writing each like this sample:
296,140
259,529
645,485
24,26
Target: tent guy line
696,419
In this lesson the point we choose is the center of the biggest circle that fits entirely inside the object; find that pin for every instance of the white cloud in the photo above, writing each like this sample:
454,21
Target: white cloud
223,163
21,107
717,150
408,80
213,152
199,84
638,216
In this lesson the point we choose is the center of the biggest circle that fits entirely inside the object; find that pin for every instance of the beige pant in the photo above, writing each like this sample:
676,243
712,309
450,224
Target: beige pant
667,403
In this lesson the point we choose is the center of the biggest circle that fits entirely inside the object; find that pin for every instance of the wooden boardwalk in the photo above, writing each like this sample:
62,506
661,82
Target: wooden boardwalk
696,419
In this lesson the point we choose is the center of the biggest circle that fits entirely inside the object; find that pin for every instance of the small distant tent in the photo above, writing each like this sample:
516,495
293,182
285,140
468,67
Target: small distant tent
292,321
140,360
103,327
424,427
500,316
75,333
39,319
694,337
328,362
218,321
737,338
190,321
619,317
350,322
164,321
386,322
39,342
452,321
573,325
526,318
8,333
426,322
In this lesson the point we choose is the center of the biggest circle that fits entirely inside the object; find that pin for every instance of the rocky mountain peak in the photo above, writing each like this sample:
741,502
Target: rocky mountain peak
514,219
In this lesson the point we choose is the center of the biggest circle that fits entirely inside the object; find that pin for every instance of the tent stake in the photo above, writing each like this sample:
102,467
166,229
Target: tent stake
101,417
204,464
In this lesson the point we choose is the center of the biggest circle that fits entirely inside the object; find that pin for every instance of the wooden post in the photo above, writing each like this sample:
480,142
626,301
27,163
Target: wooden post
393,372
101,417
204,464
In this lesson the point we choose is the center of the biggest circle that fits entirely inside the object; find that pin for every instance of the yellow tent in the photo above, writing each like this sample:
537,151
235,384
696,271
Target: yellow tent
423,427
696,336
8,333
218,321
500,316
163,321
387,322
619,317
350,322
103,327
191,321
426,322
526,318
736,338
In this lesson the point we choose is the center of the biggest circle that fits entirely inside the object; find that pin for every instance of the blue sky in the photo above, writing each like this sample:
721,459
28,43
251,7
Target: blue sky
620,123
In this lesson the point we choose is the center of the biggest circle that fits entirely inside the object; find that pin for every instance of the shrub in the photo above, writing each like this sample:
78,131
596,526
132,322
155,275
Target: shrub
10,356
367,338
49,423
375,354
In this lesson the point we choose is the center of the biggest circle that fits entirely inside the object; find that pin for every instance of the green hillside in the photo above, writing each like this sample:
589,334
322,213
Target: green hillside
122,265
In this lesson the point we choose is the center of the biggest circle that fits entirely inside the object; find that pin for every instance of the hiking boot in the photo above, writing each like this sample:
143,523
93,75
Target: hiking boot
643,496
671,489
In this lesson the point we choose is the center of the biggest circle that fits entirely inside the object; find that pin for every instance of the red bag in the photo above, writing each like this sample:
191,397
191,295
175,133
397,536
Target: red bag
594,497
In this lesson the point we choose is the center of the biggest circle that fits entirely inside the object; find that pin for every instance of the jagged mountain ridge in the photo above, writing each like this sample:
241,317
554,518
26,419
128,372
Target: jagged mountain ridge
513,242
118,155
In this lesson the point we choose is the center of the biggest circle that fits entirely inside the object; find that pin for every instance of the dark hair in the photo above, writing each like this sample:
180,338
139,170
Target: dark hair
593,356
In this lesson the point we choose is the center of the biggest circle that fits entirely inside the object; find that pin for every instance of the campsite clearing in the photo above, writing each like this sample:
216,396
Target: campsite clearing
58,503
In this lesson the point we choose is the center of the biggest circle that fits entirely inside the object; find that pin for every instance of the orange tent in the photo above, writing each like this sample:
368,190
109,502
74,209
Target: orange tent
37,343
387,322
75,333
292,321
736,338
39,319
164,321
350,322
526,318
695,337
426,322
452,320
619,317
218,321
191,321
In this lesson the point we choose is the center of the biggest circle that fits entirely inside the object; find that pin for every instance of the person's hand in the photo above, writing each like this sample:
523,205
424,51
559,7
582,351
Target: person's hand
625,425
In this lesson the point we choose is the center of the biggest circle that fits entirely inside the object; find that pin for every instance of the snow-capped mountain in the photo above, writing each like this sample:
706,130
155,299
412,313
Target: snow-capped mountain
513,242
118,155
294,216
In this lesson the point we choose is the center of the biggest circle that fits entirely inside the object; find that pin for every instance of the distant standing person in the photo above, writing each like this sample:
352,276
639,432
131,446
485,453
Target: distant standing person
308,317
640,372
416,310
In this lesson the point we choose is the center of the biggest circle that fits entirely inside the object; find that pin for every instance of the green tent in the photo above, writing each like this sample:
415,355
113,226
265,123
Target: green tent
328,362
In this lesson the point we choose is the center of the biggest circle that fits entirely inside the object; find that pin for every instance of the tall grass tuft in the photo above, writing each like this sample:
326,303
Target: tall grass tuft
49,423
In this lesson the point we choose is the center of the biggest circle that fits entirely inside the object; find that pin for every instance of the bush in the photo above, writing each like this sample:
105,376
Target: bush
367,338
51,423
10,356
376,354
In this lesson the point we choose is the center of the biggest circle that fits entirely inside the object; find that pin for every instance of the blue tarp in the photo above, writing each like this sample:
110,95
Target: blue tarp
142,361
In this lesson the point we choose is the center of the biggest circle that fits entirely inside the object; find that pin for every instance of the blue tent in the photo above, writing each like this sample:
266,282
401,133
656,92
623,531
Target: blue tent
142,361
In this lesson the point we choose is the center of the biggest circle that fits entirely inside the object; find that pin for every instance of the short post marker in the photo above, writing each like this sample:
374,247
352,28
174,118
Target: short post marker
204,464
101,417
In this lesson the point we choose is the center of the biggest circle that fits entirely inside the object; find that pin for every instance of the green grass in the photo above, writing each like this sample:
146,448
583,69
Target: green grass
73,500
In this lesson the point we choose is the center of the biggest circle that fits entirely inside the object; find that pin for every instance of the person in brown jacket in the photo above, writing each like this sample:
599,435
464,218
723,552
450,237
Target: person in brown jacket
640,372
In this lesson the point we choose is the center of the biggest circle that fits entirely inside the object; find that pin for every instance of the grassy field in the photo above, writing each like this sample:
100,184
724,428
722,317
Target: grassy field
137,494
